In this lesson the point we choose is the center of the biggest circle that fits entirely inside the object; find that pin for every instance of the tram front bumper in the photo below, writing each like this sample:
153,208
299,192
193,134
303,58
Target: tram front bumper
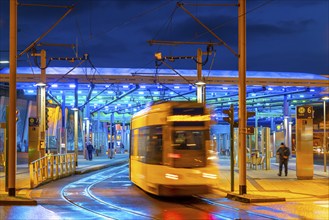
183,190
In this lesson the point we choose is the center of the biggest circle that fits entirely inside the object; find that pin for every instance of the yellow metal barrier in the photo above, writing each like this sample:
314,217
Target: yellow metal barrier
51,167
2,159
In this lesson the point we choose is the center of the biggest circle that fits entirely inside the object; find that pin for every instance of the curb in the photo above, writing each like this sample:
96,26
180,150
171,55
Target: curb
6,200
249,198
98,167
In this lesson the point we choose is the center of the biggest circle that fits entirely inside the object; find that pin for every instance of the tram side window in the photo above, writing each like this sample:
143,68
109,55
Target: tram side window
188,140
150,145
154,145
142,140
132,144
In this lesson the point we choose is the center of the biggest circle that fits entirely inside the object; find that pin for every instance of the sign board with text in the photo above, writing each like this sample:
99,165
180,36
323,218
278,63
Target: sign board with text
304,112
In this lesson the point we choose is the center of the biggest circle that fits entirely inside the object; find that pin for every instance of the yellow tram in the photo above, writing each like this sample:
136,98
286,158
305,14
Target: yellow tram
170,151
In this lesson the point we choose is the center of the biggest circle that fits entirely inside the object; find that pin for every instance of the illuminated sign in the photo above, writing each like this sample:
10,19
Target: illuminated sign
188,118
33,122
304,112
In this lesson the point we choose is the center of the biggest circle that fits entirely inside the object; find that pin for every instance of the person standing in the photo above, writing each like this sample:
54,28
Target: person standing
283,152
90,149
111,150
97,150
122,148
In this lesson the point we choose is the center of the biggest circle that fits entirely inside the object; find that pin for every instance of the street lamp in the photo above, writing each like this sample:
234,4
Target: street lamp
41,109
325,98
41,84
200,91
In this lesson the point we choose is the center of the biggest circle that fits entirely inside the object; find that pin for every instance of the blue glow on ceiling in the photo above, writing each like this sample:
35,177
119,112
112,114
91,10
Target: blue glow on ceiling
132,71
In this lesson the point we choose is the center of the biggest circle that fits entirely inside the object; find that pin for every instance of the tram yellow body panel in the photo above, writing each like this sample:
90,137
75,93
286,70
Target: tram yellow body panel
170,152
152,177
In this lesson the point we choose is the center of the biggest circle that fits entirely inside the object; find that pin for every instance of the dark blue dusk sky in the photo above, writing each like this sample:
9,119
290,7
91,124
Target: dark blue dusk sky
282,35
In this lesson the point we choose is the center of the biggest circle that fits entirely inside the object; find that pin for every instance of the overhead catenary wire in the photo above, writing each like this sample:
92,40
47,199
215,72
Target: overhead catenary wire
178,94
212,62
165,63
233,19
33,44
35,59
63,76
90,75
133,18
30,64
96,71
118,98
143,67
124,23
168,23
107,88
209,30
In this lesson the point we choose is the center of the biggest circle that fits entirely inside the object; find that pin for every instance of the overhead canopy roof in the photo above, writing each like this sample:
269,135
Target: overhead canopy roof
126,90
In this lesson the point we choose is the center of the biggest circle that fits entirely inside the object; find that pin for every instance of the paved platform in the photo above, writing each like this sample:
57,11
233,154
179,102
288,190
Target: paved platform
266,186
262,185
23,177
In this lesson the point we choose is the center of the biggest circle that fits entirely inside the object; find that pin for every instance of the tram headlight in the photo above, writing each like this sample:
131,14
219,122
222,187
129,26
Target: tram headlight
212,158
209,175
172,176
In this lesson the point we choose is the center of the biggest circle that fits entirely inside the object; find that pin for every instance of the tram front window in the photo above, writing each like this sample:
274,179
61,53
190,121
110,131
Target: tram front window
188,140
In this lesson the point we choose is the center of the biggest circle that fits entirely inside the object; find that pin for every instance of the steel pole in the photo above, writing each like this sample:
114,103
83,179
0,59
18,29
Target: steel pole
200,84
232,148
76,124
324,137
76,118
242,96
43,138
12,155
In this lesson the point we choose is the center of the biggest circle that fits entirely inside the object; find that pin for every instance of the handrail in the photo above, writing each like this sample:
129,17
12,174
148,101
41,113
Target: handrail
51,167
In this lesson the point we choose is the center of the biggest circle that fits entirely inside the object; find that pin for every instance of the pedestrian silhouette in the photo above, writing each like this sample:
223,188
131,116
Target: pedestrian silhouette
90,149
283,152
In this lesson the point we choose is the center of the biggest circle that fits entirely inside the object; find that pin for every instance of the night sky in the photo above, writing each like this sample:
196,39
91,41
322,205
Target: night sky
282,35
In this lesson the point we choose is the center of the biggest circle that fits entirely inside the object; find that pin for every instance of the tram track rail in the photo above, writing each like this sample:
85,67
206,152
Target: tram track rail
92,201
253,215
80,195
